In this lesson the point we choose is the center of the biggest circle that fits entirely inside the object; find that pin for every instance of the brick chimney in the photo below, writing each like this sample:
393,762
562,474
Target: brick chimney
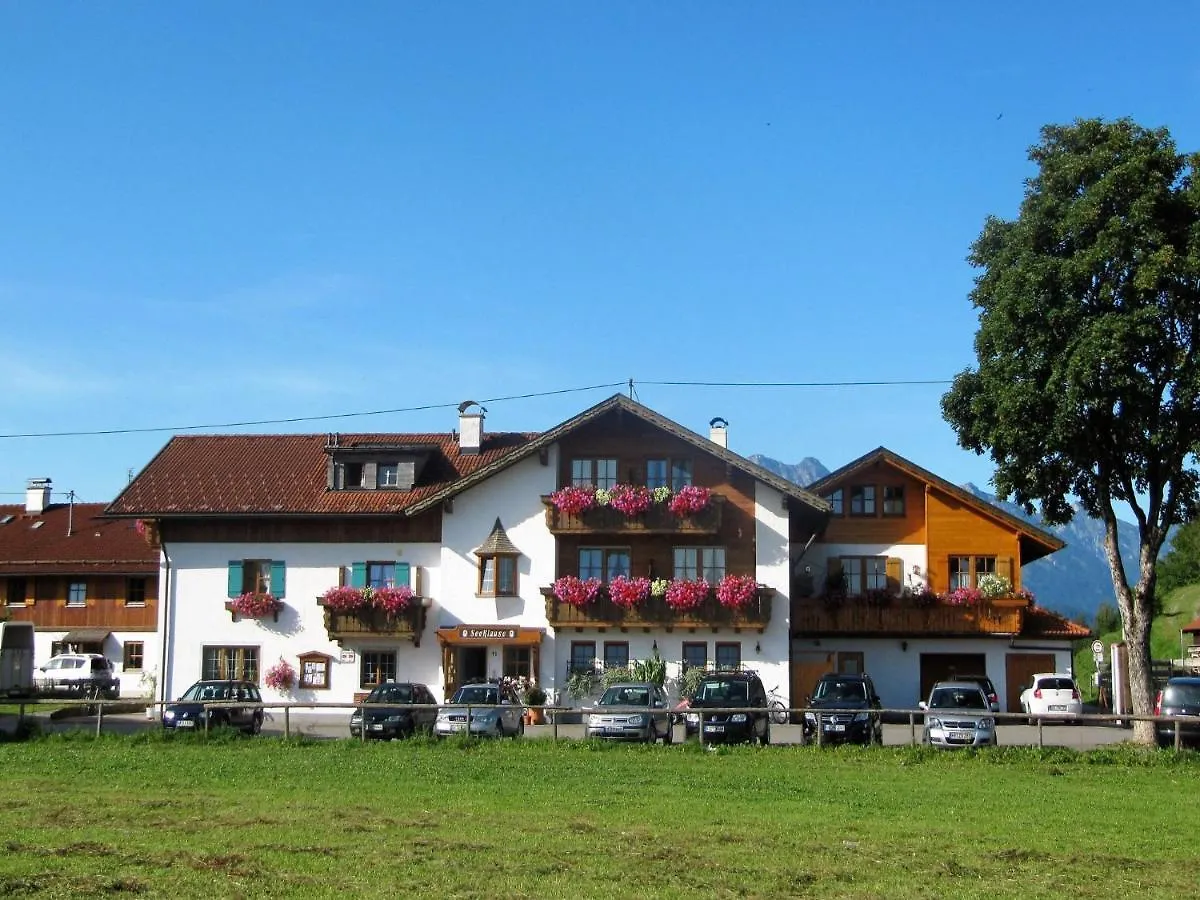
37,496
470,428
718,432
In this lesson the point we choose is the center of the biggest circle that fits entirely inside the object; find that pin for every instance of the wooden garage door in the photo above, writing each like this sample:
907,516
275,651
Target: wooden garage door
937,667
1021,668
807,668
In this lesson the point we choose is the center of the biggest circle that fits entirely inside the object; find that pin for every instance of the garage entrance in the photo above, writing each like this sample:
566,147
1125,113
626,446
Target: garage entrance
1020,669
937,667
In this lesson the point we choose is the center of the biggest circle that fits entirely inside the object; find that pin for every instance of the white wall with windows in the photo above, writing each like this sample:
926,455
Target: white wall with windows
133,654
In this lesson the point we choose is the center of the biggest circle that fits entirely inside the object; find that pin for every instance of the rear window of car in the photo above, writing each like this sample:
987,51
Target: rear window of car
1181,695
1056,684
615,696
393,694
719,689
829,689
477,694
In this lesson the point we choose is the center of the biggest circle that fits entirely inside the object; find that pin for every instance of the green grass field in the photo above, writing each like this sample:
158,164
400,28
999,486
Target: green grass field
268,818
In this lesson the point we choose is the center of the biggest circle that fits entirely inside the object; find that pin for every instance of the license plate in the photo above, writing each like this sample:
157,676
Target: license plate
186,723
377,728
1058,708
962,735
837,727
716,728
458,726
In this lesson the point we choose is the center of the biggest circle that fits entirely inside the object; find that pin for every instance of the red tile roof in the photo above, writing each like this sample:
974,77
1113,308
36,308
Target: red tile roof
39,544
1042,623
1192,627
285,474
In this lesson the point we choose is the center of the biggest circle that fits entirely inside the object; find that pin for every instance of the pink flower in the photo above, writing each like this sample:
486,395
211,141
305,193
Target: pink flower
683,595
965,596
627,593
255,606
690,499
632,500
573,500
737,591
280,677
576,592
344,599
391,599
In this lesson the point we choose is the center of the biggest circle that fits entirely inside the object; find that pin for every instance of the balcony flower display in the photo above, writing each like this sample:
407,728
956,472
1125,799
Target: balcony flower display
280,677
575,591
631,499
1025,595
689,500
255,606
344,599
658,587
573,500
661,494
628,593
964,596
391,600
603,496
737,591
684,594
994,586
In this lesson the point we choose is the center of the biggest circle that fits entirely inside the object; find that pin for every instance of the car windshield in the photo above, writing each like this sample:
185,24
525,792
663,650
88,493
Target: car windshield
958,698
1056,684
391,693
626,696
722,691
201,692
1182,695
477,693
840,690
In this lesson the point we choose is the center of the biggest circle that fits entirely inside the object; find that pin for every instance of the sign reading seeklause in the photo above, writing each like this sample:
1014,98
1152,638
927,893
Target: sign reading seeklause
486,633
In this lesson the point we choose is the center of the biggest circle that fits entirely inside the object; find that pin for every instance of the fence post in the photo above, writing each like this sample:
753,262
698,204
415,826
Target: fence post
1178,737
912,728
1039,723
100,717
554,725
820,728
287,722
362,722
700,727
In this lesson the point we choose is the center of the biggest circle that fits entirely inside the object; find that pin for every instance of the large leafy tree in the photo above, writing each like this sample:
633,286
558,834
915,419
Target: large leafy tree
1087,385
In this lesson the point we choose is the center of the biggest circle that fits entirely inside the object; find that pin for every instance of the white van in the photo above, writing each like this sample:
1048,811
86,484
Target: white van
16,659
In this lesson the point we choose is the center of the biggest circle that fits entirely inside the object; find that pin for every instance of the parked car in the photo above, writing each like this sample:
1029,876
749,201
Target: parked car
636,711
845,693
986,685
79,674
1179,697
497,712
740,692
390,714
1051,694
958,714
193,710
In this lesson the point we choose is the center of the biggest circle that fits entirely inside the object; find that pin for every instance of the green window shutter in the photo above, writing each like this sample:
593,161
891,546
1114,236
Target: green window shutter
235,578
358,575
278,579
895,567
403,575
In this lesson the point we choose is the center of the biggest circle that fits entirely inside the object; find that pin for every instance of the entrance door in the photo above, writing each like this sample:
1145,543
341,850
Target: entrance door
1019,671
472,664
937,667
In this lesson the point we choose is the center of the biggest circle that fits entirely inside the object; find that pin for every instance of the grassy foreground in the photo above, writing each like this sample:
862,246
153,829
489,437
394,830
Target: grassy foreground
269,818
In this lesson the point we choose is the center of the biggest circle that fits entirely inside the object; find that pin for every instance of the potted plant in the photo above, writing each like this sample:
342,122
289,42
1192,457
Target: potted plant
392,600
280,677
149,682
573,499
255,605
630,499
344,599
628,593
686,594
737,591
535,698
576,591
689,500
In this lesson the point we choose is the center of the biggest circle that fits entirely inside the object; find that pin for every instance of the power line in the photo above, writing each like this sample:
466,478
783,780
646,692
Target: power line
795,384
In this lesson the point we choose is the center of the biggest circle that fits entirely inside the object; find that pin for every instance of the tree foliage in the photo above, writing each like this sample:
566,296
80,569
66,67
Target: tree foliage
1087,383
1108,619
1181,565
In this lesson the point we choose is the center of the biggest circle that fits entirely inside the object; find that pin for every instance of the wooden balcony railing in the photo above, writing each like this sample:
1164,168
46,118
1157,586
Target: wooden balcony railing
655,613
658,519
812,616
408,624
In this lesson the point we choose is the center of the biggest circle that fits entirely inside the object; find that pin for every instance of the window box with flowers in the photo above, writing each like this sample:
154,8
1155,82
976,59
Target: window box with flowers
280,677
628,508
628,593
737,591
254,606
687,594
576,591
690,500
365,612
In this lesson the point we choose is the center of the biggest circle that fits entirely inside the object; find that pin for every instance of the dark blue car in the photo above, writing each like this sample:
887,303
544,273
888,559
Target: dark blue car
216,704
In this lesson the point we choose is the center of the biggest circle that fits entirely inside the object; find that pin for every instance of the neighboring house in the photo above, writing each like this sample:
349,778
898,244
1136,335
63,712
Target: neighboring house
899,535
466,524
87,583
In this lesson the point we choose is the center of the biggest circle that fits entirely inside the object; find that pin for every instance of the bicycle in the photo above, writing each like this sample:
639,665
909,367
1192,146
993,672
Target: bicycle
778,710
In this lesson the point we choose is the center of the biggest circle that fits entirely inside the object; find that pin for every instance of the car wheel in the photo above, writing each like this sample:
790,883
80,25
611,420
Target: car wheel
1029,720
520,732
668,735
766,735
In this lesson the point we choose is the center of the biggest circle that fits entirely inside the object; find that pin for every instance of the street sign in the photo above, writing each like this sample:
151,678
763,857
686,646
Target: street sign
1098,647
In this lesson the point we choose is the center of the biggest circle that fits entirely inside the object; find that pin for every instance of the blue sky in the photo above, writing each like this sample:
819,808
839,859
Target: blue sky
225,212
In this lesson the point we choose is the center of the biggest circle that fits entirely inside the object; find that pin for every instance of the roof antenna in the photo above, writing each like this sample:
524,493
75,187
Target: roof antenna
70,512
630,388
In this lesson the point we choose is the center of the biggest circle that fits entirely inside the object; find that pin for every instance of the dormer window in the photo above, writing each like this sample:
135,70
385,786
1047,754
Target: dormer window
375,466
349,475
387,475
498,558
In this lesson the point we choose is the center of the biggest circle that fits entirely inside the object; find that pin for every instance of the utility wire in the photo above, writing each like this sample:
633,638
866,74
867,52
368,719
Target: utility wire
795,384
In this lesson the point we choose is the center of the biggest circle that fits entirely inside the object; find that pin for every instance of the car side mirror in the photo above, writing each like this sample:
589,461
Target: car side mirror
659,704
923,705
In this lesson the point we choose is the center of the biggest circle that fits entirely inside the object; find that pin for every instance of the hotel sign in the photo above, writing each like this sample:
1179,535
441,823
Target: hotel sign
486,633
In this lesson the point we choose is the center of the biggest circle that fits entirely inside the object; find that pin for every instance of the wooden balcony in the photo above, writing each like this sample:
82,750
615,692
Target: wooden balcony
813,617
654,613
370,623
658,519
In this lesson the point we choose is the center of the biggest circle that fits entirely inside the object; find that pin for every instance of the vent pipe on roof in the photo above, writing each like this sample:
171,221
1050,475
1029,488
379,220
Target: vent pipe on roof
718,432
37,496
470,428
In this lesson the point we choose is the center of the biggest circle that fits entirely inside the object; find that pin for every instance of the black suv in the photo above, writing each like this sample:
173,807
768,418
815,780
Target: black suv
741,692
393,717
855,721
985,684
1179,697
216,704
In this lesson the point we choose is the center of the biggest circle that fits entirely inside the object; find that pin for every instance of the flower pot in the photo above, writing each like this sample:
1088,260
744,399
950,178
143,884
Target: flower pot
535,717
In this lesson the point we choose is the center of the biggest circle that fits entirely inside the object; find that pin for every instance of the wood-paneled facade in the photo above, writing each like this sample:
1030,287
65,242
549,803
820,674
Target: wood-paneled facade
113,602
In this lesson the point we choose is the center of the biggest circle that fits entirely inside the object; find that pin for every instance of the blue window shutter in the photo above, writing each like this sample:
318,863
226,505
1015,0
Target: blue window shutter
358,575
403,575
278,579
235,577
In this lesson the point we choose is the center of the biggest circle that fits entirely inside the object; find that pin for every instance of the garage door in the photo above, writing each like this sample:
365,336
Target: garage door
937,667
807,668
1021,668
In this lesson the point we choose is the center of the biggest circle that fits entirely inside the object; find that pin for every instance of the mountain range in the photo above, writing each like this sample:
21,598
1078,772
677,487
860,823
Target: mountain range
1074,581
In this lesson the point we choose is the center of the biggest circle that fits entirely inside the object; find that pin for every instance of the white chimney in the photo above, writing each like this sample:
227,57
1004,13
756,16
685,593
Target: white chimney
37,496
718,432
470,428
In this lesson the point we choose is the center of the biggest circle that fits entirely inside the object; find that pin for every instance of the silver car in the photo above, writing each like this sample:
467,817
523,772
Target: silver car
636,711
493,708
958,714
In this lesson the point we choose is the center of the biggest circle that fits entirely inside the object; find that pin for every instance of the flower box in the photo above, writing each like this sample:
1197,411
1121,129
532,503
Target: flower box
254,606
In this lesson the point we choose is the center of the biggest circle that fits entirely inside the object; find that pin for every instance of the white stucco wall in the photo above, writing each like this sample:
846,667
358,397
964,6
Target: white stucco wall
133,684
772,568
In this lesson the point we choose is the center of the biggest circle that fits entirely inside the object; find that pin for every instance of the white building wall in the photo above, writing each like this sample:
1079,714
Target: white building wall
768,653
915,556
134,683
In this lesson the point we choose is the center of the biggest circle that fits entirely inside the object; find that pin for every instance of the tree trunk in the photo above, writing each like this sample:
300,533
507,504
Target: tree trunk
1137,614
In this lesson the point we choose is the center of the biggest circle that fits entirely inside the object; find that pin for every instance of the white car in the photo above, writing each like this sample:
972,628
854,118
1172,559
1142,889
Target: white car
80,674
1052,695
493,709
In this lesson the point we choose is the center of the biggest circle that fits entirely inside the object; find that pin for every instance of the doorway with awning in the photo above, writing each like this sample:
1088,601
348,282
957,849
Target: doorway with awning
487,652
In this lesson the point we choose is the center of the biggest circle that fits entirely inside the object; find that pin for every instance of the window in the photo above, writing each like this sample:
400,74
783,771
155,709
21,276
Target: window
14,592
960,572
984,565
700,562
695,655
605,563
381,574
616,654
134,655
893,500
850,662
256,576
601,473
864,573
349,475
45,588
656,473
681,473
518,662
729,656
862,500
376,667
387,475
314,671
583,657
77,594
230,664
135,592
498,576
835,500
